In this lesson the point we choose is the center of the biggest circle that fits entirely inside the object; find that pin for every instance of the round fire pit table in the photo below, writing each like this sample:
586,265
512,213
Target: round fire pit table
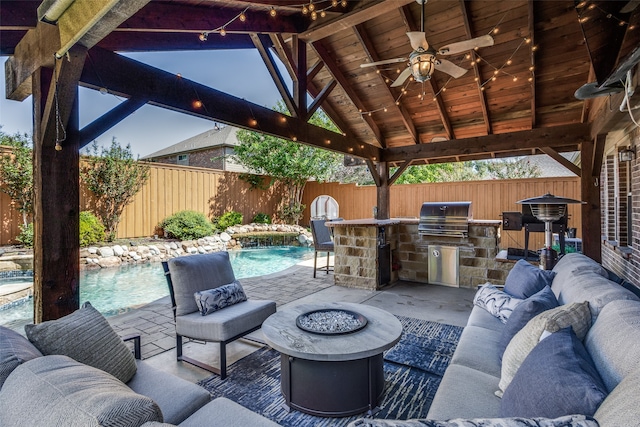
332,375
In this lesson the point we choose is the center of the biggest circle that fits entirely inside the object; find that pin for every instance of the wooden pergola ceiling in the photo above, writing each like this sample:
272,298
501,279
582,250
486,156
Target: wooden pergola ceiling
543,52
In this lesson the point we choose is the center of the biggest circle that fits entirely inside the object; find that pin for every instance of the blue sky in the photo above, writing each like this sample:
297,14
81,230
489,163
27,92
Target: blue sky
240,73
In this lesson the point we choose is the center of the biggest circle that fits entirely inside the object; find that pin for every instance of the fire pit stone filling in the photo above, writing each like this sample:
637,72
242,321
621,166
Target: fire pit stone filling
331,321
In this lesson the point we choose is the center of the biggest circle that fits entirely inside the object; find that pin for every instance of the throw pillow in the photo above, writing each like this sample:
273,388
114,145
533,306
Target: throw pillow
525,280
576,315
498,303
568,421
85,336
58,391
14,350
218,298
557,378
525,311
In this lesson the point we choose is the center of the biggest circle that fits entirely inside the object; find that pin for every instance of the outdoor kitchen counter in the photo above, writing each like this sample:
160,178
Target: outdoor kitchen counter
366,222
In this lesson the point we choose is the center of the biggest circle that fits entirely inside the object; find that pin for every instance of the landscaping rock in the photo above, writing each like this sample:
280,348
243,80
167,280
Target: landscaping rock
105,251
109,261
225,237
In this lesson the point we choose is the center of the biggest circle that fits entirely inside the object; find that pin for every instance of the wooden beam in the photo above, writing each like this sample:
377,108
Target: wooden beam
109,120
403,167
132,79
383,196
598,155
314,70
57,188
323,53
464,6
506,142
562,160
85,22
284,54
372,54
365,11
373,170
605,115
321,97
591,210
532,41
300,82
275,74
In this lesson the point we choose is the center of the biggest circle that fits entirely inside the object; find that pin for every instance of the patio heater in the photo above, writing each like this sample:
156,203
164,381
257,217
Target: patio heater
548,208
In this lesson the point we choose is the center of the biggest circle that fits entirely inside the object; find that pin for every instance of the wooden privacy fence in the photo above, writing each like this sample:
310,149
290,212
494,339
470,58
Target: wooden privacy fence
169,189
488,200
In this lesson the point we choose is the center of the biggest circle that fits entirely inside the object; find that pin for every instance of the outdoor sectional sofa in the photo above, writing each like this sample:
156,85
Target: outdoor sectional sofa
111,387
540,381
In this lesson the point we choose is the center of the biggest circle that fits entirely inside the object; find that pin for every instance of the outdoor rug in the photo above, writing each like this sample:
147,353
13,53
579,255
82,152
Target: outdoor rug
413,369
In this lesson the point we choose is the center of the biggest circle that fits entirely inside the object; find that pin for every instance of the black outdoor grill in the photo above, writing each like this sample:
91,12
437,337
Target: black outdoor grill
445,219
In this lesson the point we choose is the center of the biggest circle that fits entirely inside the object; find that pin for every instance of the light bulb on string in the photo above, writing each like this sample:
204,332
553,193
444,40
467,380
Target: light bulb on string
223,31
242,17
273,12
203,37
312,6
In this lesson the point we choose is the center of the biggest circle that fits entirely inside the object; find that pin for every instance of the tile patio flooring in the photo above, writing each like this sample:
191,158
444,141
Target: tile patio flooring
154,322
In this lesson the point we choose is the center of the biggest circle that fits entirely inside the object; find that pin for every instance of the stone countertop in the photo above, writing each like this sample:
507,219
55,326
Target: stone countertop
370,222
383,331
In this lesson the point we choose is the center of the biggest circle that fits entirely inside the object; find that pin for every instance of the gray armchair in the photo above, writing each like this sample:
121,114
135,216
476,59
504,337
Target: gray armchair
321,242
187,275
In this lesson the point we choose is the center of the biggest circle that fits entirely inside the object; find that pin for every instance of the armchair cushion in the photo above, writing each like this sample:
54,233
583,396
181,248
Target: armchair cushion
218,298
524,280
14,351
85,336
193,273
58,391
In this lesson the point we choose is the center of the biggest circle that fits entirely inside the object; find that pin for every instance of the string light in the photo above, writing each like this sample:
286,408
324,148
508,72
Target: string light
273,12
222,30
580,7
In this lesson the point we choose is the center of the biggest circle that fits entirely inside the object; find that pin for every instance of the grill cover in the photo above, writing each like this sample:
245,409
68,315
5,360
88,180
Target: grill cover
445,219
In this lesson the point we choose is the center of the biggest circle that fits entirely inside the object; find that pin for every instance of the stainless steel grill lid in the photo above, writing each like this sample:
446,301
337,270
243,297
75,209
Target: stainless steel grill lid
445,218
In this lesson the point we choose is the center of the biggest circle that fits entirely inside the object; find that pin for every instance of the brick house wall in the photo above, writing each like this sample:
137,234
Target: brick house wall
210,158
620,255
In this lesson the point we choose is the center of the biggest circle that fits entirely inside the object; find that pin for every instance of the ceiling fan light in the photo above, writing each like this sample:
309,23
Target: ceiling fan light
422,64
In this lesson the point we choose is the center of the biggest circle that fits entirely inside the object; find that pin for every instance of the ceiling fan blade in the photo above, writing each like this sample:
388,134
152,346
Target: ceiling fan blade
402,78
450,68
386,61
630,7
418,40
463,46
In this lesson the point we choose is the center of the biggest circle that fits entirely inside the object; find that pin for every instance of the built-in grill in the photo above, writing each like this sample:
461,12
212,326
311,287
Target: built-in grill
445,219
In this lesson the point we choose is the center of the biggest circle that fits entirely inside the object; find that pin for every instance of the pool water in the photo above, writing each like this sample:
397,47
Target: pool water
117,290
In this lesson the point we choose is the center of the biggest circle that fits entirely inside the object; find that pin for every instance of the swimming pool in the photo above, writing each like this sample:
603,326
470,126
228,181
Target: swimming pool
117,290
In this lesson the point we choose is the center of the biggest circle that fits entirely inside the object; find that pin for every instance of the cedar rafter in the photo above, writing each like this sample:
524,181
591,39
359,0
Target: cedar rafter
532,39
464,6
373,56
323,53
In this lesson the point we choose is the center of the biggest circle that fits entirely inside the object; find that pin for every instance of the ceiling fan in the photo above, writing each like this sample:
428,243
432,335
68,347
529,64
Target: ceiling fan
423,61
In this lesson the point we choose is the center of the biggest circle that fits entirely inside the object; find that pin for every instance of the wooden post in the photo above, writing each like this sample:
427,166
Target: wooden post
382,187
56,188
591,214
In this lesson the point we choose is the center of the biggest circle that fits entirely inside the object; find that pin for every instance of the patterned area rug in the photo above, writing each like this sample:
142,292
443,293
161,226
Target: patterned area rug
413,369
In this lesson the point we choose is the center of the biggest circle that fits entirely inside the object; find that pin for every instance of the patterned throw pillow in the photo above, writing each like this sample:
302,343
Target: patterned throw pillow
576,315
498,303
568,421
218,298
85,336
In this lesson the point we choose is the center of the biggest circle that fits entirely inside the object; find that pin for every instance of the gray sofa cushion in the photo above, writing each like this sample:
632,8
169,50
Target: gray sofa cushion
224,324
576,315
14,350
478,349
620,408
193,273
85,336
556,379
525,280
223,412
483,319
177,398
613,341
58,391
465,393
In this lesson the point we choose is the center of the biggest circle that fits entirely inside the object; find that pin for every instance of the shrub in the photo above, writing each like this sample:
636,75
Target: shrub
187,225
262,218
228,219
26,235
91,229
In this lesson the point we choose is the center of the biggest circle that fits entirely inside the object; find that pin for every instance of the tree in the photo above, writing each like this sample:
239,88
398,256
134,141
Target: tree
114,177
16,173
290,163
